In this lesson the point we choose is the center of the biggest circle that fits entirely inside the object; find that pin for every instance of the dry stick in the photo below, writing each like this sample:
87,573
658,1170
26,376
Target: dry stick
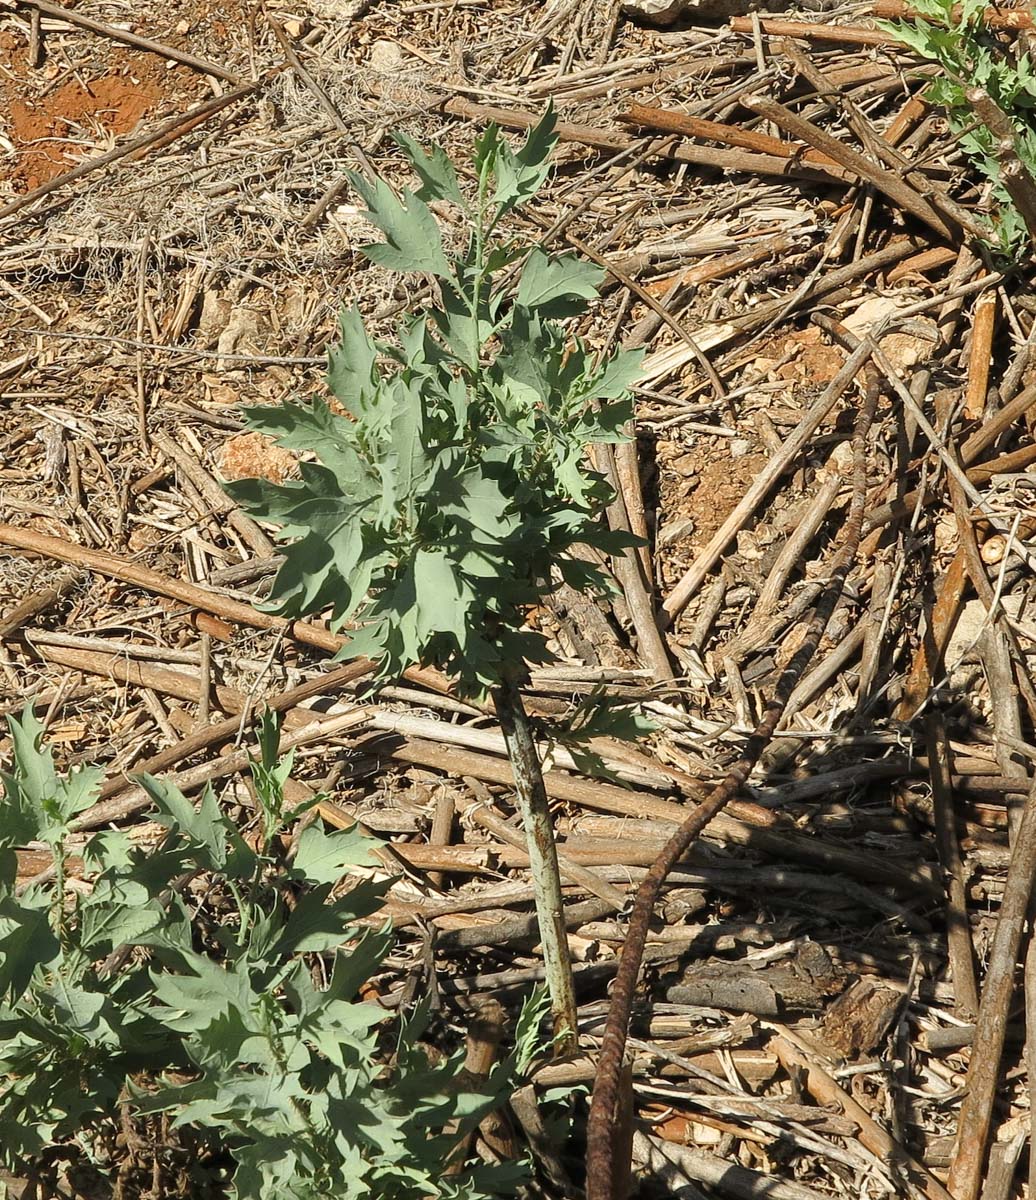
921,264
321,96
827,1091
605,1177
950,460
628,570
709,337
820,676
980,354
191,594
1029,985
666,121
227,764
441,831
714,66
658,309
39,602
645,771
1003,1162
35,51
166,132
854,35
879,617
755,831
942,621
543,862
972,448
218,501
1014,174
307,632
1004,464
1001,420
741,161
673,1164
976,1112
117,802
132,39
727,264
886,181
790,556
958,935
841,105
485,1032
633,567
795,547
627,476
710,608
903,122
775,468
626,802
1005,708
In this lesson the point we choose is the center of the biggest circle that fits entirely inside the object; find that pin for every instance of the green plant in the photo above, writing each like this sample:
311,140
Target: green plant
955,36
216,1016
448,497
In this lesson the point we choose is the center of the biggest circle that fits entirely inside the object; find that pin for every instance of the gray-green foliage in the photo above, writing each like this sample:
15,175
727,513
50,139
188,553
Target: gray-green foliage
438,506
955,36
292,1075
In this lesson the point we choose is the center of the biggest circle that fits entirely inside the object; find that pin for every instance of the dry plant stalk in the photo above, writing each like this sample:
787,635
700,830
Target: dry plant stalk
976,1114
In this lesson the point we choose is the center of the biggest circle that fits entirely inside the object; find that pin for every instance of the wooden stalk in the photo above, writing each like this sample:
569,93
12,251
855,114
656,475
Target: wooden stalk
980,355
820,31
958,931
543,861
824,1088
606,1174
976,1114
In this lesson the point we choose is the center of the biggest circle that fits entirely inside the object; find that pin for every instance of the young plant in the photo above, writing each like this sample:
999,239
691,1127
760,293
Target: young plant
988,95
292,1075
443,495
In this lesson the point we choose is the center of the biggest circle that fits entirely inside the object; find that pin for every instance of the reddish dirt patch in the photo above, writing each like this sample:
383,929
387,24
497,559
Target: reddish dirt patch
722,483
53,116
44,133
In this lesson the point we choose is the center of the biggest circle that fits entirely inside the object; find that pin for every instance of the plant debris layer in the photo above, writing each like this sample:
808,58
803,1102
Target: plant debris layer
830,963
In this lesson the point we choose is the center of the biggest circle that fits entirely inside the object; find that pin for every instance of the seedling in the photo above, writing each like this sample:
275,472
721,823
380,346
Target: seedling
445,501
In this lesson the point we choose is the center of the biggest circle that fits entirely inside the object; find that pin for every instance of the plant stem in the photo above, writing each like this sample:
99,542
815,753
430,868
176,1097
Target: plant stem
543,860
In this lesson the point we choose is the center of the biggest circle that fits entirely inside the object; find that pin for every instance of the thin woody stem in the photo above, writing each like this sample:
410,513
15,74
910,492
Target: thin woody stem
543,860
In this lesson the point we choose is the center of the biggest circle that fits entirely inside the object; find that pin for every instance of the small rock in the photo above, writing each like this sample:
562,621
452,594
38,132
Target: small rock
739,447
686,465
672,531
215,313
339,10
385,56
906,347
655,12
